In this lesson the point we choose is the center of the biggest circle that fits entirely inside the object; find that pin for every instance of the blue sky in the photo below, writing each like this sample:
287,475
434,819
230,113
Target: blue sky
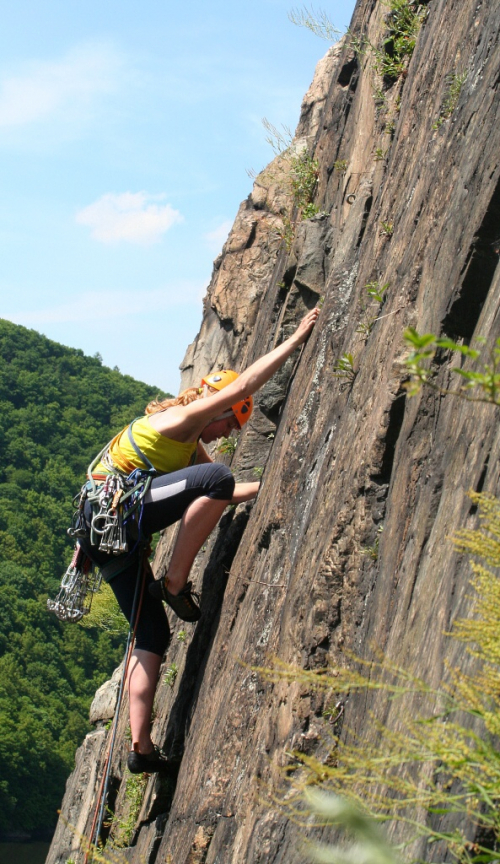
126,130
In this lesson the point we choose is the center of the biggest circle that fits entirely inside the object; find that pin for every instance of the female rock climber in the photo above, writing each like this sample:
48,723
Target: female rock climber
189,487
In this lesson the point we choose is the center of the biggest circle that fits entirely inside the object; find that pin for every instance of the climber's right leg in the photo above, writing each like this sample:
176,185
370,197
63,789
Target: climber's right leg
198,497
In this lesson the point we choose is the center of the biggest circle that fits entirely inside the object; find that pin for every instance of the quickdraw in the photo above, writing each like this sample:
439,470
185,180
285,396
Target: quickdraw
108,522
78,586
115,503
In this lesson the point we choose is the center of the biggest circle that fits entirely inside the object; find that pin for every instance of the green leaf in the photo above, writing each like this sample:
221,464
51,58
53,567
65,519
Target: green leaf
450,345
412,336
476,377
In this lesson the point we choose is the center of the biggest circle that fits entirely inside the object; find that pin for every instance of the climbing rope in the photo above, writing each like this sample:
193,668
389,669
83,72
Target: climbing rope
98,820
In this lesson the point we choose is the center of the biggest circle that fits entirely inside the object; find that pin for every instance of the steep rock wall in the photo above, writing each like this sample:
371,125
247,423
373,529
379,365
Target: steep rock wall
287,576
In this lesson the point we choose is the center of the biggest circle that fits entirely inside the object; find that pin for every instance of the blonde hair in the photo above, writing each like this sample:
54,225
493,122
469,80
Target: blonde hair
184,398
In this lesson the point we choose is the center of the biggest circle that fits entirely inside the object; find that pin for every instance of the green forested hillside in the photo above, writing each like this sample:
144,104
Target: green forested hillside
57,409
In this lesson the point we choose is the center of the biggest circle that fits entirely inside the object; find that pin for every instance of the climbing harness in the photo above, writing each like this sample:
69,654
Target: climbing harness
116,501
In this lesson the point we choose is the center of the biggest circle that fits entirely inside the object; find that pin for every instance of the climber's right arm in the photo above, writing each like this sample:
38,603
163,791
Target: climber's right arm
185,423
253,378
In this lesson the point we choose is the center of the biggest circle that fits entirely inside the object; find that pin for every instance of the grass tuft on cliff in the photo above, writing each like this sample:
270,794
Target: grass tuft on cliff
437,770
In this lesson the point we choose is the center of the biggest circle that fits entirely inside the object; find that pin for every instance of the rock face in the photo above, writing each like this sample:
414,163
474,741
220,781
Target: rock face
104,703
408,194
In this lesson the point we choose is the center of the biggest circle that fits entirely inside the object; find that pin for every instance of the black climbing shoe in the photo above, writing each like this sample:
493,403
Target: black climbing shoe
148,763
183,603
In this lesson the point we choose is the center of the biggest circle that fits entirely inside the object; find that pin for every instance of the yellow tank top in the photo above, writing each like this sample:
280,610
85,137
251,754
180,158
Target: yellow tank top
165,454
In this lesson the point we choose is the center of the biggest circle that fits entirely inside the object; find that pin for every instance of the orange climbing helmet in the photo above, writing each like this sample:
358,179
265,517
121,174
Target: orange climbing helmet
218,380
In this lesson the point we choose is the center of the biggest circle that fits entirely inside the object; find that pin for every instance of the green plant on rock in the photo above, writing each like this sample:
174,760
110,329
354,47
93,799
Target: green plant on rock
379,96
309,211
376,291
134,794
373,550
441,760
317,22
304,172
286,232
364,327
96,854
344,368
379,154
456,81
388,66
171,674
227,446
404,20
376,296
359,44
258,471
481,632
296,174
181,636
340,165
387,229
482,385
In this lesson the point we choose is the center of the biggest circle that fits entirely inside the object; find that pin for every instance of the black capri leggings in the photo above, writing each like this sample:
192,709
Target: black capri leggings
166,501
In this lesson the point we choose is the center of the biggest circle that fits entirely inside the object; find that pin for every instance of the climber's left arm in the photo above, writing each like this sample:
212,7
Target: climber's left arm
244,492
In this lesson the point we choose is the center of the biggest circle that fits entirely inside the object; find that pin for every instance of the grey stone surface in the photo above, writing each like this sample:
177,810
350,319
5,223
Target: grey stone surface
104,702
287,576
78,802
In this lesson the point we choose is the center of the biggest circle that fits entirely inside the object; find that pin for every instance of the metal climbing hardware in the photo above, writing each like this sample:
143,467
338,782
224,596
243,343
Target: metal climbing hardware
114,516
78,586
108,522
115,502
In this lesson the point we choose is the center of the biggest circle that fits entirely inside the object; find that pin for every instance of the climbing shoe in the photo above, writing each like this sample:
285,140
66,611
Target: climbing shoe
148,763
184,603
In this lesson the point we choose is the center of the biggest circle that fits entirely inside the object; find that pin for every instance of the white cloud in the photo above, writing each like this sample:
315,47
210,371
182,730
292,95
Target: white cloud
215,239
67,86
129,217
